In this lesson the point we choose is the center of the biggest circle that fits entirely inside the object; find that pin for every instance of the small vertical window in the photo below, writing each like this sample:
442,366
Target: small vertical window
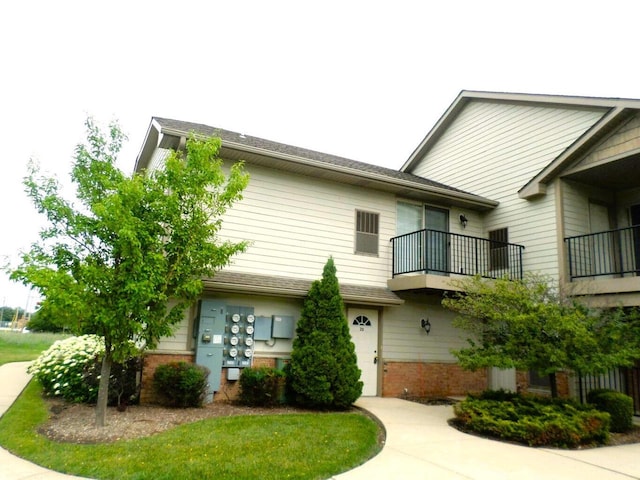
498,249
367,232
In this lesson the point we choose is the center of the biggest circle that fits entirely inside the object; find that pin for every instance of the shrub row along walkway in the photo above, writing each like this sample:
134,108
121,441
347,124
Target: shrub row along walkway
420,445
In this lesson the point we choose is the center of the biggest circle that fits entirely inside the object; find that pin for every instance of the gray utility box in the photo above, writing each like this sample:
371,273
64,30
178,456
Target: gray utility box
263,328
210,341
282,326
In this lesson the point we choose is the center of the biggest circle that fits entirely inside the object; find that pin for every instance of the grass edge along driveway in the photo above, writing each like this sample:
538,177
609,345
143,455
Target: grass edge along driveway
296,446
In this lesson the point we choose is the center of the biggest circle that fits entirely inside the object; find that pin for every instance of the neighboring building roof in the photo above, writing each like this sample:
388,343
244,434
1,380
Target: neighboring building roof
295,288
287,157
615,111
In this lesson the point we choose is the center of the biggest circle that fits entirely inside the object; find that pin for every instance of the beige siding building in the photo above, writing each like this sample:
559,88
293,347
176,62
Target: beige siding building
503,184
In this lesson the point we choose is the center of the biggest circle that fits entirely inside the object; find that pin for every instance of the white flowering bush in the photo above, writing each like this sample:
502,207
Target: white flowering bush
65,369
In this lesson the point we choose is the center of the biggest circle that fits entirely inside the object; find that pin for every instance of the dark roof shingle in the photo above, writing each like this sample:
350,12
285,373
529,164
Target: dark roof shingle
329,160
295,287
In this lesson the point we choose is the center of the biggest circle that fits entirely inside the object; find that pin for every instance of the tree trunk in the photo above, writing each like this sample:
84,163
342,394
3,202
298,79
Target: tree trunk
103,390
553,383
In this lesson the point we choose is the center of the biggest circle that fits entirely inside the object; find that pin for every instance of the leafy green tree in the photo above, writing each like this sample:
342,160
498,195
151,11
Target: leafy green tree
42,321
129,258
7,314
524,324
323,371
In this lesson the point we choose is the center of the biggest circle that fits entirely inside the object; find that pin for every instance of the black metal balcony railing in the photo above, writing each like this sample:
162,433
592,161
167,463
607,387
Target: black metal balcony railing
436,252
614,252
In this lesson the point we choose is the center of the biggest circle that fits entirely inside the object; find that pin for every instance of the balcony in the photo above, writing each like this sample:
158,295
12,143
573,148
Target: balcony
436,253
606,264
604,254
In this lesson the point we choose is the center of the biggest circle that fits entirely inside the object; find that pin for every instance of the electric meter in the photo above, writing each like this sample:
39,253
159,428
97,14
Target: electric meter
235,329
248,341
248,352
233,352
250,318
249,329
233,341
235,317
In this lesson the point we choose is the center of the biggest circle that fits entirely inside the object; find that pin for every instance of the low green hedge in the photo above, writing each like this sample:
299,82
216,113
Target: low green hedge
262,386
181,384
535,421
616,404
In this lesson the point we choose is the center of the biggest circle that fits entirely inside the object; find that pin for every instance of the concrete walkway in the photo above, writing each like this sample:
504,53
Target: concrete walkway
420,445
13,379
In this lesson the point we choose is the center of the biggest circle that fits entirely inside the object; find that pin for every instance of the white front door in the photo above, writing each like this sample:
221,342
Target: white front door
363,324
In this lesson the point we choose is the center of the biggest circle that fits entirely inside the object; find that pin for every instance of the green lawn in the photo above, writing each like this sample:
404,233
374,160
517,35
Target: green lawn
22,347
296,446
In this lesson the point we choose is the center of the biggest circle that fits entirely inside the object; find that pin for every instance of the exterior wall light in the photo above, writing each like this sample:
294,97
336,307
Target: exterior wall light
463,220
426,324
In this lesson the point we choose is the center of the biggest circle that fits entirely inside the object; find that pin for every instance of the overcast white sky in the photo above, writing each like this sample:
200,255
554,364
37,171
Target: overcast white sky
361,79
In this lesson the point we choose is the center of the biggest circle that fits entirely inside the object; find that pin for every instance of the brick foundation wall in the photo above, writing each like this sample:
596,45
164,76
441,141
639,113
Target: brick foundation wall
562,379
151,362
423,379
229,390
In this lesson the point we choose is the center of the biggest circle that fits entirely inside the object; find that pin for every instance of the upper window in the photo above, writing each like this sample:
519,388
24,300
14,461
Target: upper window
367,229
498,249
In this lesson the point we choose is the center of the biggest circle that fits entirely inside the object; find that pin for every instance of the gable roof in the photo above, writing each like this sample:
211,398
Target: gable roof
169,133
615,111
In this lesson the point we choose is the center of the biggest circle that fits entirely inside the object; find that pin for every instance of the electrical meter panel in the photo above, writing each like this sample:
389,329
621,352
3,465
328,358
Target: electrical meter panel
238,337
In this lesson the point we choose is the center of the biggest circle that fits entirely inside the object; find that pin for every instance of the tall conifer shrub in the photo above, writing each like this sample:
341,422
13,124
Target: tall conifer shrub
324,372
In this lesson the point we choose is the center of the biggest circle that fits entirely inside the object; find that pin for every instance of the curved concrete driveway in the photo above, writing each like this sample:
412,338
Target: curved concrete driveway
421,445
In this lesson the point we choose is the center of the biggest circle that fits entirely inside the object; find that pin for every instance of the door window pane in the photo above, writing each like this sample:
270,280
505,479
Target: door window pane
437,240
409,218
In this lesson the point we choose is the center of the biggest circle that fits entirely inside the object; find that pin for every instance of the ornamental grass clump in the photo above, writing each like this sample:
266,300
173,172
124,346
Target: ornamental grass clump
64,368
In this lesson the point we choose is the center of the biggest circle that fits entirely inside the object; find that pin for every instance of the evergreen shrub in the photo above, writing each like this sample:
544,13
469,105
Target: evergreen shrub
181,384
616,404
535,421
262,387
323,371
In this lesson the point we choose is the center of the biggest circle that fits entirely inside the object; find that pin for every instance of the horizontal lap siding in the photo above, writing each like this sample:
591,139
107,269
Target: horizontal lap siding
182,339
493,150
404,339
294,223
